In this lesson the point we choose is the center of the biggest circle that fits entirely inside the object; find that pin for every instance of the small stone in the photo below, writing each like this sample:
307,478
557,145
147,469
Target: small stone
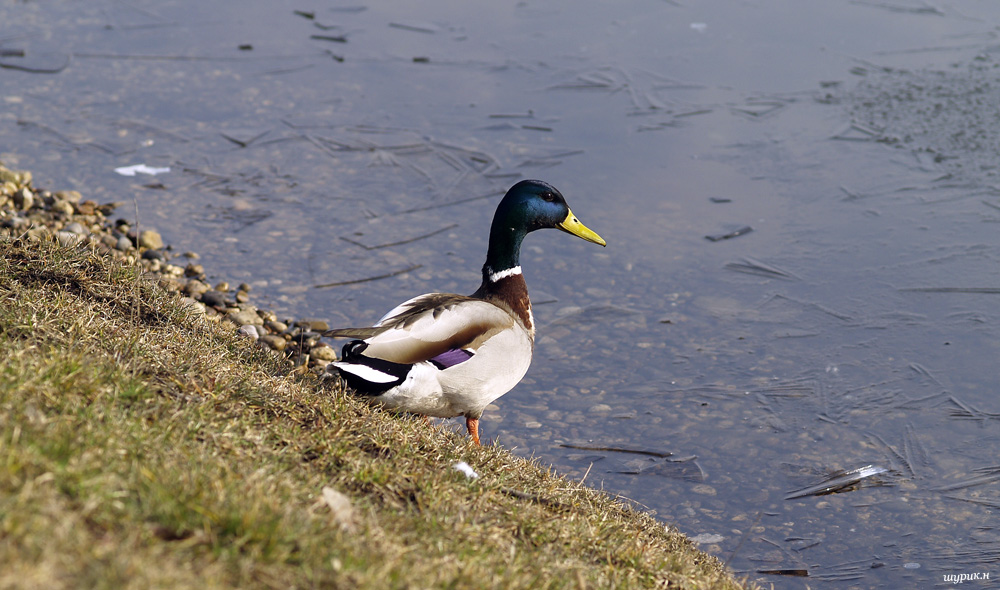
15,223
306,342
597,408
64,207
37,234
274,342
150,239
323,353
191,255
533,424
173,270
249,331
244,287
85,208
170,283
69,196
195,306
67,239
222,286
275,326
23,199
242,297
124,244
194,270
314,325
194,287
243,316
152,255
76,228
214,299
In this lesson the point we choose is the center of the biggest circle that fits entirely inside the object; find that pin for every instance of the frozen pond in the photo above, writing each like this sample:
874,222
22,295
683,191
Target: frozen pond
815,396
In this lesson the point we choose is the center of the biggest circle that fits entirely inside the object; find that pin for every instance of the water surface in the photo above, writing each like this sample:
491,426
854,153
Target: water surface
854,326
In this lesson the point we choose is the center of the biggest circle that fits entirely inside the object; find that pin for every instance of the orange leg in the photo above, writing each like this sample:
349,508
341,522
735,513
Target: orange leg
472,425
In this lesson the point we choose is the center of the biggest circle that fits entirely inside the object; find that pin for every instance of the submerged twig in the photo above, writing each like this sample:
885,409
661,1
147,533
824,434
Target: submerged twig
753,266
980,290
367,279
616,450
728,236
407,241
34,69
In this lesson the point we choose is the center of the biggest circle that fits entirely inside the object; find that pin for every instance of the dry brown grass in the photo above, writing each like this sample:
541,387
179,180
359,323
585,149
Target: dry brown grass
144,448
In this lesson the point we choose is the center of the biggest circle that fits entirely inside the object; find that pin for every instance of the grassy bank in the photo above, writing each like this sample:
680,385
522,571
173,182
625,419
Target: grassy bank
142,446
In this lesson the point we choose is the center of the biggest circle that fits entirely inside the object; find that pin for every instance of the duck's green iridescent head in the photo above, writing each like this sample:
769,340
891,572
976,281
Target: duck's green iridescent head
527,206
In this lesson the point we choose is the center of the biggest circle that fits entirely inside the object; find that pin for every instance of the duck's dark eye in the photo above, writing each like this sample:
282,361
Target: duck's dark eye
548,197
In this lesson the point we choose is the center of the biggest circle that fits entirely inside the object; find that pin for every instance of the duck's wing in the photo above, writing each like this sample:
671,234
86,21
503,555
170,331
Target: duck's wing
428,326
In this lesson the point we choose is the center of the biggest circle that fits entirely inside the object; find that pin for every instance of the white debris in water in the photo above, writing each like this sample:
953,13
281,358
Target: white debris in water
141,169
707,538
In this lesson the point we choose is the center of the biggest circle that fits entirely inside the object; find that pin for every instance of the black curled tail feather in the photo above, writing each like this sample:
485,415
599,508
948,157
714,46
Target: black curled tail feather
352,350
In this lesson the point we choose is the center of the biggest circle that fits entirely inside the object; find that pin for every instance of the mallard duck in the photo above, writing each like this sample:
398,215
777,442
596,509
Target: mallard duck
446,355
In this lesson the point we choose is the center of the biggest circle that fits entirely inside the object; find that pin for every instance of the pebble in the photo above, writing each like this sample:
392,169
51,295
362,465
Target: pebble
323,352
67,217
195,288
86,208
15,222
249,331
597,408
244,316
77,228
150,239
195,306
23,199
64,207
171,284
68,196
275,326
274,342
67,238
314,325
214,299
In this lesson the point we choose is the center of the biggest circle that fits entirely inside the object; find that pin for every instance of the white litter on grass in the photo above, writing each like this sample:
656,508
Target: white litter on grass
140,169
466,469
341,508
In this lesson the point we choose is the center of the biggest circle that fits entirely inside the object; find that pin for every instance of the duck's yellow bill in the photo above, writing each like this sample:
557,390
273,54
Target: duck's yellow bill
572,225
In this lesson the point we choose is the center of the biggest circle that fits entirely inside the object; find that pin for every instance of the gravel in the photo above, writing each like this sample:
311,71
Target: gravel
74,221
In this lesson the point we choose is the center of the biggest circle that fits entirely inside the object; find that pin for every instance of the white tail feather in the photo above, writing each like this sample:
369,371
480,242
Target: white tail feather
365,372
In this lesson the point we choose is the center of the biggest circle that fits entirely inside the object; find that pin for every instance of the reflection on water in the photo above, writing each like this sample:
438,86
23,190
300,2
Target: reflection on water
837,332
